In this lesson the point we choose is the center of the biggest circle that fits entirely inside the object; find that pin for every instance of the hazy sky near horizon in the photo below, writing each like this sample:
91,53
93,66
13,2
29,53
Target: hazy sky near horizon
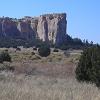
83,16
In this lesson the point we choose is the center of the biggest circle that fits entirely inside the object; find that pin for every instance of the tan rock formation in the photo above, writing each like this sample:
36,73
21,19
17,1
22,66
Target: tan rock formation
48,27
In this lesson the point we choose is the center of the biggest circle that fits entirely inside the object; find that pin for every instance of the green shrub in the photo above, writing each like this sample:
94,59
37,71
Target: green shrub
18,49
88,68
4,56
32,53
44,50
55,50
34,48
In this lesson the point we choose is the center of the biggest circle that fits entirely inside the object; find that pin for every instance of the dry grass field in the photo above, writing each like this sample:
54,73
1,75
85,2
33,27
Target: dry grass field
37,78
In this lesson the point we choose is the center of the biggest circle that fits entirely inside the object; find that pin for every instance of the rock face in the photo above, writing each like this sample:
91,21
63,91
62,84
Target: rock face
48,27
26,32
52,27
8,28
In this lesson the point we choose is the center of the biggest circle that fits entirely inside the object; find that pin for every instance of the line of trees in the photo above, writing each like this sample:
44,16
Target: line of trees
69,42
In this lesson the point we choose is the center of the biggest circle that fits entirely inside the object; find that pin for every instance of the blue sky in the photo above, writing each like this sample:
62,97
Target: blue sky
83,15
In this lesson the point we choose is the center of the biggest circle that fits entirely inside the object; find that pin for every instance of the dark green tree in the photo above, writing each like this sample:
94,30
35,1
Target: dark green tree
4,56
44,50
88,68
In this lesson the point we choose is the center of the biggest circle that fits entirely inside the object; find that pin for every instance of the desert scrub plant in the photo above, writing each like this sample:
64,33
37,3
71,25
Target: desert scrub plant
32,53
4,56
88,68
55,50
34,48
18,49
44,50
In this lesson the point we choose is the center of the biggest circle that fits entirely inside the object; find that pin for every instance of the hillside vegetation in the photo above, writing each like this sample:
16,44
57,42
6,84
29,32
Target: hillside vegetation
43,78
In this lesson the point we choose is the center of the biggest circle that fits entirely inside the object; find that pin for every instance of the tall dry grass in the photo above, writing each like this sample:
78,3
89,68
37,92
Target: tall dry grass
21,87
51,78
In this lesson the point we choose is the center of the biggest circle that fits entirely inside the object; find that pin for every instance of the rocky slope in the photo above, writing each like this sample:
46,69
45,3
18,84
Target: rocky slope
48,27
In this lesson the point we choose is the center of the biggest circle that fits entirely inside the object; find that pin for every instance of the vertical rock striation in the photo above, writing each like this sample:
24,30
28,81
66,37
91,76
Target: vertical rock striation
52,27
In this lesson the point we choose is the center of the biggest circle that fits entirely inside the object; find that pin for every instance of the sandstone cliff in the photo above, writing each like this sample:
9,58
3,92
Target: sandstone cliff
48,27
